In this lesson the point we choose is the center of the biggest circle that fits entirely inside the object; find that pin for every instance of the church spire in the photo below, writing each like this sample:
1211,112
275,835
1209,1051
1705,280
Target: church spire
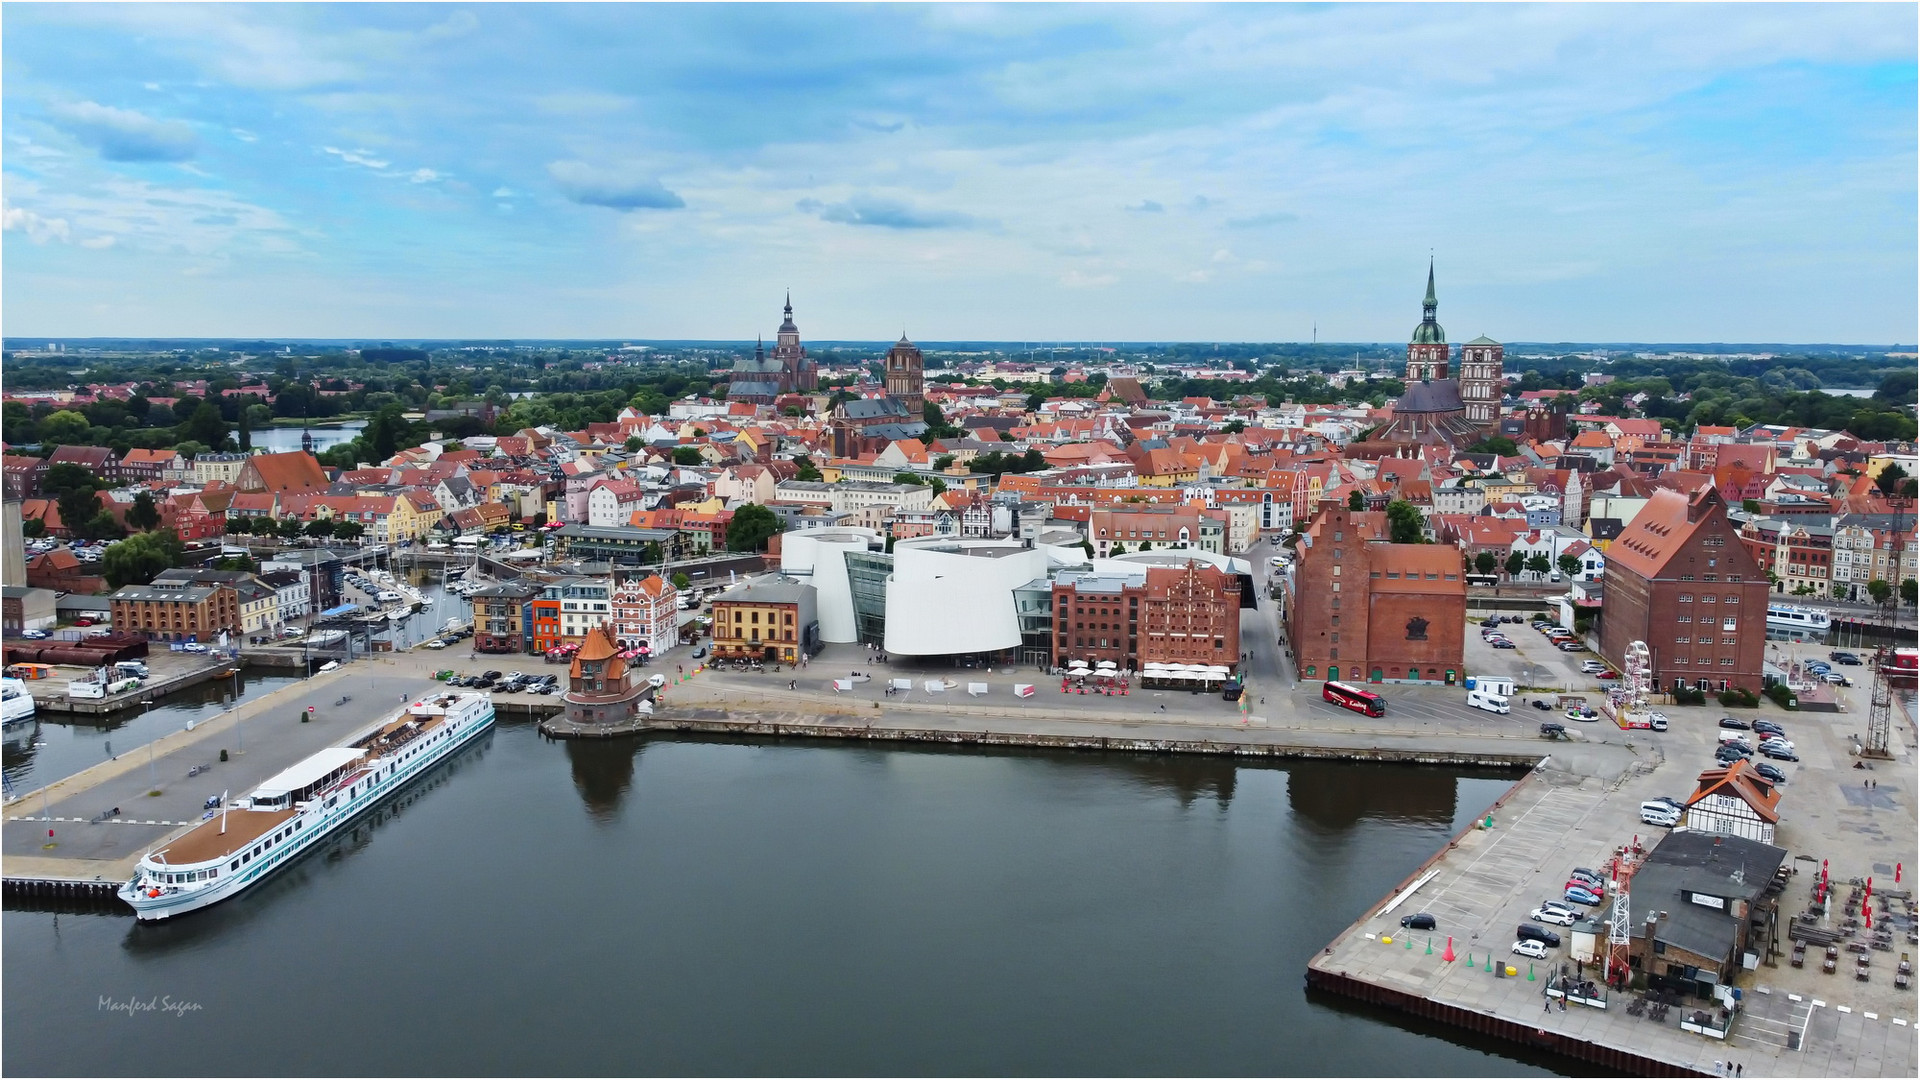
1432,303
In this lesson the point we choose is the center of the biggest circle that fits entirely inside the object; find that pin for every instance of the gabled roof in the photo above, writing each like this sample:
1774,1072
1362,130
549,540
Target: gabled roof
1740,781
295,471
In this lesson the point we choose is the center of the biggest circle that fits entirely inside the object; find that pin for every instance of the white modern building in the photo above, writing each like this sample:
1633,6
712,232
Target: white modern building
821,558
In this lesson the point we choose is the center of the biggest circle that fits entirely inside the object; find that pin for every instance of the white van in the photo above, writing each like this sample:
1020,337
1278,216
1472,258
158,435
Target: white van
1665,815
1488,700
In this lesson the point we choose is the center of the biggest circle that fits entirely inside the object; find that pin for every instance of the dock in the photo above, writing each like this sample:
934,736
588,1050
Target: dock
65,840
49,695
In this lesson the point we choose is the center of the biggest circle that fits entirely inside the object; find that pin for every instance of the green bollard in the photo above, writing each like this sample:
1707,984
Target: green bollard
1409,941
1469,959
1489,821
1429,946
1530,977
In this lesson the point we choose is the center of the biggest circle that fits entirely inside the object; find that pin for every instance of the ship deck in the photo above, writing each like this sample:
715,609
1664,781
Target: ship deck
207,842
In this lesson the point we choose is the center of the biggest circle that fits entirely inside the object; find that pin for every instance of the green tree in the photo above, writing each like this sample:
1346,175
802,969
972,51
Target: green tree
1356,501
386,433
1484,563
1751,506
246,431
1539,564
1235,426
1497,444
1516,562
139,558
1888,480
651,555
806,467
77,508
65,428
291,528
1405,523
1032,461
190,449
103,526
348,530
634,443
943,463
1879,590
206,425
239,525
1910,592
914,479
143,514
687,455
1116,549
1569,565
33,528
234,562
321,527
66,476
681,581
751,526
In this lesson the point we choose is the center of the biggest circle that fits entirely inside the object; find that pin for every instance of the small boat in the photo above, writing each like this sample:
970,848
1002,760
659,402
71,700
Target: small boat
16,702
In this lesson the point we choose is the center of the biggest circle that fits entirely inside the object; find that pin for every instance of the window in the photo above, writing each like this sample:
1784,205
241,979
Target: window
1683,639
1686,598
1726,661
1729,641
1709,599
1731,599
1684,619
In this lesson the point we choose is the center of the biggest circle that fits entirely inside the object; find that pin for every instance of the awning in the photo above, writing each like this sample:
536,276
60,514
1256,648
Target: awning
309,771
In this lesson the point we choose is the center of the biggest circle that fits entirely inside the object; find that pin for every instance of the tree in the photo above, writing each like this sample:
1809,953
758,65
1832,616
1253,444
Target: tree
633,443
1117,549
1569,564
103,526
138,559
234,562
687,455
1405,523
190,449
681,581
1484,563
385,433
1888,481
912,479
33,528
206,425
1235,426
143,514
807,470
236,526
1032,461
77,507
246,431
1516,562
651,555
291,528
1879,590
1751,506
751,526
65,427
943,463
1356,501
348,530
1910,592
1497,444
320,527
1539,564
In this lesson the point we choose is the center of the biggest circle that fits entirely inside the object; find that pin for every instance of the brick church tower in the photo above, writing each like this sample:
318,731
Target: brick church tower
1427,352
906,376
1482,380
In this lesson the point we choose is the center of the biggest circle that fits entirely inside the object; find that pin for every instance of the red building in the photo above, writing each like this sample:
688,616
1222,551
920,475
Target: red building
1680,579
1190,616
1358,607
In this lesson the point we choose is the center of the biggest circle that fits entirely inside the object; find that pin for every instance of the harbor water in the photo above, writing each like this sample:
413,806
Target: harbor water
698,907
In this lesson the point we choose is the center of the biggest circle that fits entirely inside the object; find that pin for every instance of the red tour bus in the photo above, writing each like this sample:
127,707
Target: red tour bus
1352,697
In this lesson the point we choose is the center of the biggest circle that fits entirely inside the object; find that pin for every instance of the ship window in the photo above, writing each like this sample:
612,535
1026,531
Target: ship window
234,865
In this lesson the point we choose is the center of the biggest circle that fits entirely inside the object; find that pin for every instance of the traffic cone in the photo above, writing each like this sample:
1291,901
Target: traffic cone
1448,955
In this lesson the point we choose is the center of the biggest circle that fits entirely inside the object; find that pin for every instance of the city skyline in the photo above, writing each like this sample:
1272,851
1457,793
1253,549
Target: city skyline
1680,174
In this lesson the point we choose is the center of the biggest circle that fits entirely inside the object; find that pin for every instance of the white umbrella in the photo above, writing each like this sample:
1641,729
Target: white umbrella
1154,667
1108,664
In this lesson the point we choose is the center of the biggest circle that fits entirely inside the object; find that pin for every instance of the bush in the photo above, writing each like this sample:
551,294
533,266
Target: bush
1688,695
1783,696
1736,698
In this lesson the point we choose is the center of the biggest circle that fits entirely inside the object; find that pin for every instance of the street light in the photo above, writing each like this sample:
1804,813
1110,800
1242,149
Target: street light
153,777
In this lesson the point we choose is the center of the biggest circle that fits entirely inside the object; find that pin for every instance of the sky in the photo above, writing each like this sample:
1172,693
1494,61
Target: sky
1075,173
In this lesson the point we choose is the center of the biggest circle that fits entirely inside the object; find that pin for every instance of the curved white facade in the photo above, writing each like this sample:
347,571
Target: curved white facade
949,596
814,556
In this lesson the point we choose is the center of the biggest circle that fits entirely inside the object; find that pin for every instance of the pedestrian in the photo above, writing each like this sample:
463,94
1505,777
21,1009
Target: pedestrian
1546,1004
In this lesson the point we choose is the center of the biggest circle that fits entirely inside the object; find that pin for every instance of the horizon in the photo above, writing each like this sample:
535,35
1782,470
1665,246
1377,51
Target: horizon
1164,173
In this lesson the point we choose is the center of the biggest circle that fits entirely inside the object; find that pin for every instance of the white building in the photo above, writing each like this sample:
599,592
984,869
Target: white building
613,502
646,612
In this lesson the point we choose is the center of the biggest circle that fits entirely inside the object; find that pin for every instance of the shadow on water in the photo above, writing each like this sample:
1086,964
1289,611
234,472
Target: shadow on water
152,940
603,773
1337,796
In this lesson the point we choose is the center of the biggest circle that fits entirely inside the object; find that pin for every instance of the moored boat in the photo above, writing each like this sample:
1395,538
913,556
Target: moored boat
251,837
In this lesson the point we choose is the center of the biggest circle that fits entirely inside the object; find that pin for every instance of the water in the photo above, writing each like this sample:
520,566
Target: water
63,743
689,907
282,440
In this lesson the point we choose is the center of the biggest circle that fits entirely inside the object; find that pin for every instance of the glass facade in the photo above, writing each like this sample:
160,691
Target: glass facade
867,573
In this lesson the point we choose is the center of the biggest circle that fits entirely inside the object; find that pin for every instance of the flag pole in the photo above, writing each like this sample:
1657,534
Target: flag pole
223,812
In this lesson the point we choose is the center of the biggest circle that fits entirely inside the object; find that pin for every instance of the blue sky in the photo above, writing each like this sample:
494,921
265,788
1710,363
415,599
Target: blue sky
1081,173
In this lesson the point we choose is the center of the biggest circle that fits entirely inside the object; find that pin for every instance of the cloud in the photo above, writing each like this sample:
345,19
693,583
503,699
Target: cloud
1261,221
424,176
616,190
357,157
884,213
244,135
98,243
1146,206
1201,202
875,125
125,135
1075,279
504,193
38,229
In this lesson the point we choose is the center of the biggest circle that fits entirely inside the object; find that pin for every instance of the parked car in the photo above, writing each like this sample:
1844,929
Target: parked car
1727,754
1583,883
1540,703
1571,646
1846,658
1558,916
1836,678
1778,742
1504,644
1778,753
1591,666
1530,932
1768,727
1422,921
1532,950
1771,771
1553,731
1734,723
35,635
1590,874
1585,896
436,643
700,652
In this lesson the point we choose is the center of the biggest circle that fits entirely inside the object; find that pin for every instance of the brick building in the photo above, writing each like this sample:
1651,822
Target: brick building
1679,579
503,617
1359,608
177,610
1096,617
1140,528
600,689
646,612
1191,616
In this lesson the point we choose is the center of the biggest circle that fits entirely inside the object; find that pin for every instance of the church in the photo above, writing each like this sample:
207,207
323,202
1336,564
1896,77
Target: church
789,370
1437,408
869,425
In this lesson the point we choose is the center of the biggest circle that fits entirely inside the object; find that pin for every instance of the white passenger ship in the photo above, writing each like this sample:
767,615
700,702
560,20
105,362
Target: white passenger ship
301,806
16,702
1805,620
